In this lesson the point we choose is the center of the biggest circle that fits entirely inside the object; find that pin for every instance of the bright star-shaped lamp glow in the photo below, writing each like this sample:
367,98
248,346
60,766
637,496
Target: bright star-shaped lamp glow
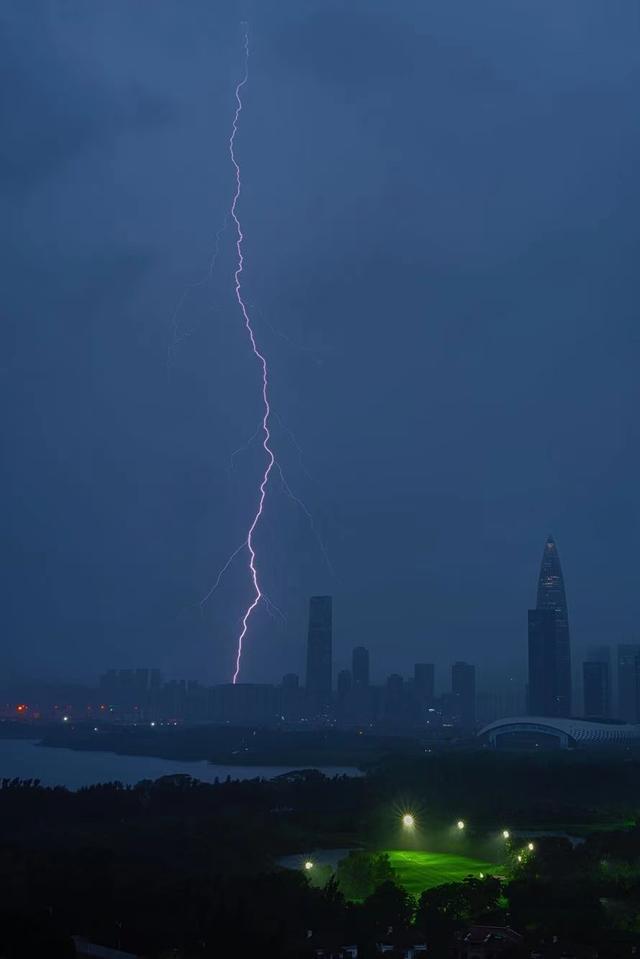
505,834
408,821
308,865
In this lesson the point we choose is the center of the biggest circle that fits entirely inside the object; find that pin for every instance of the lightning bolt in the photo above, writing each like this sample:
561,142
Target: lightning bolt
266,434
259,596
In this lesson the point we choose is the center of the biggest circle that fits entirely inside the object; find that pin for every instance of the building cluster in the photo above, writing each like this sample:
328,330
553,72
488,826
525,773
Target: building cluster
353,700
401,703
350,699
549,690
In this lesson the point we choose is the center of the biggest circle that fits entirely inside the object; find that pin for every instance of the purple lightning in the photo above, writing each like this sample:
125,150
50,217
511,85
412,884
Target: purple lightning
258,595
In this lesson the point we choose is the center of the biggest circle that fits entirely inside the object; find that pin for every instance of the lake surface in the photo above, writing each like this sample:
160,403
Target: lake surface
25,759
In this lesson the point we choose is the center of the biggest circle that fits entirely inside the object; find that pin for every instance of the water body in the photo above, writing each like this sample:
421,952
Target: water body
25,759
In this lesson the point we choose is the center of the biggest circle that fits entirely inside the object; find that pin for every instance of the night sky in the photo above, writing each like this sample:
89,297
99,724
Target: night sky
442,219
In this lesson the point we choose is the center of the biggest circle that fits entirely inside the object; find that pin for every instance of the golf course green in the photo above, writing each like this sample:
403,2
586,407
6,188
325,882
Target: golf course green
418,871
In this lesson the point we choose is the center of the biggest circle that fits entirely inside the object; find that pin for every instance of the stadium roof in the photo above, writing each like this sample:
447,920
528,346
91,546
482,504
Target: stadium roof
575,730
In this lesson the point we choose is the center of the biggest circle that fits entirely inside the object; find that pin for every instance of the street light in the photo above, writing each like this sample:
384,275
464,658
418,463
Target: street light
308,865
530,847
408,821
506,834
460,824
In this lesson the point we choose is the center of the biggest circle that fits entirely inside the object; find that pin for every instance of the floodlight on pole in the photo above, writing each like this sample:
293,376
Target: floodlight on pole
408,821
460,824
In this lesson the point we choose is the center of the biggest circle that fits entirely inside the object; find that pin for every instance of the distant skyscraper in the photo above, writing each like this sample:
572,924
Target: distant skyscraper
627,655
543,700
595,682
319,650
602,654
463,694
424,683
551,596
360,667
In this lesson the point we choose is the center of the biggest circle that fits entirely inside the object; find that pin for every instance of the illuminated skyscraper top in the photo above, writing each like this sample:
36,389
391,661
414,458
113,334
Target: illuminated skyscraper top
551,594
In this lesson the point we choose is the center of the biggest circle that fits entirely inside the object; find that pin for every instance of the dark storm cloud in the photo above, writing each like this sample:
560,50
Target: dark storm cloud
52,108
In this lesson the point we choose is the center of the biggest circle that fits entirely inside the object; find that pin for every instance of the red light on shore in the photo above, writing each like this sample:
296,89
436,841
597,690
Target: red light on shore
21,708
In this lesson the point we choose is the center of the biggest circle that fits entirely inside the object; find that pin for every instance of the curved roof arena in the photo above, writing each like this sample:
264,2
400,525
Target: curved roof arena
577,730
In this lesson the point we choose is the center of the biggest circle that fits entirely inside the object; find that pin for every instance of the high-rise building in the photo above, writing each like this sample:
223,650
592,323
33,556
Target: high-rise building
542,697
556,696
319,651
463,695
424,683
360,667
627,706
595,684
602,654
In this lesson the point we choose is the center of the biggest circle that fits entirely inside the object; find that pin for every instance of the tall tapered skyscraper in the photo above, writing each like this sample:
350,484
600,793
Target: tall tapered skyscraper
319,650
549,648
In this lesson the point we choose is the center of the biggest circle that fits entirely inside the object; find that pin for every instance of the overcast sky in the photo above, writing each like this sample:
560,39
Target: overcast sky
442,222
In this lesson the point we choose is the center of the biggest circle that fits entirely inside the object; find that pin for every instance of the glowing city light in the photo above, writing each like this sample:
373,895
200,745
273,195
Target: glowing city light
460,824
408,821
506,834
519,858
308,865
530,847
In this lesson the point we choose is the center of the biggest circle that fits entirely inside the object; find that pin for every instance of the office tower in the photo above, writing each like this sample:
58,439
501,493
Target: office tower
556,696
463,694
360,667
543,700
595,684
423,683
141,682
602,654
627,655
319,653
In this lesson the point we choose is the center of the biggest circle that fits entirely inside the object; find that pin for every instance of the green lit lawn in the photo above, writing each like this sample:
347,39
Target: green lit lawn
422,870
